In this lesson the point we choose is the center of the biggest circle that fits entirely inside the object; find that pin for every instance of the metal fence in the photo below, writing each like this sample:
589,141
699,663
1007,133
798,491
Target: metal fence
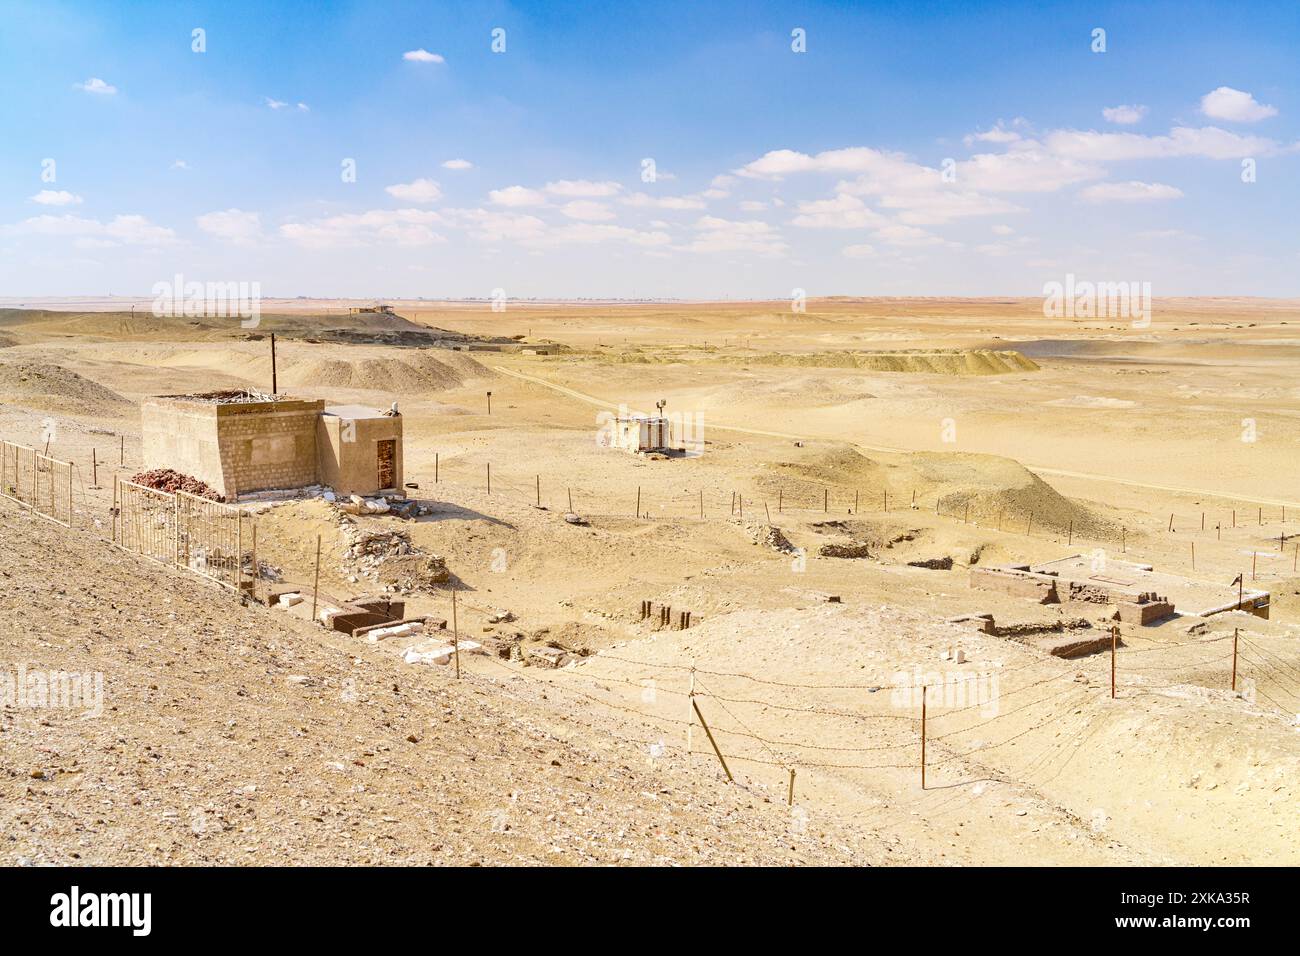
37,482
206,537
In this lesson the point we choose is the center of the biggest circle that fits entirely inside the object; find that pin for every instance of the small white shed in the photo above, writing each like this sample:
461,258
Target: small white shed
643,433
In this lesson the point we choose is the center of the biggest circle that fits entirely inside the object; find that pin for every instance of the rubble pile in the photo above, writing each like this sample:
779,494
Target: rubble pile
389,558
165,479
771,536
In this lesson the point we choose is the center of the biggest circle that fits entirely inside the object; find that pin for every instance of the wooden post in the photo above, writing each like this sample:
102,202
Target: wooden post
570,492
638,501
489,402
740,500
709,734
690,713
767,512
122,450
275,384
1234,517
1114,639
455,634
1030,525
1171,522
1202,520
855,502
1254,557
435,467
1261,517
1193,555
1235,632
94,468
701,504
886,502
826,499
256,570
789,800
539,491
315,588
924,694
489,478
239,553
780,500
733,502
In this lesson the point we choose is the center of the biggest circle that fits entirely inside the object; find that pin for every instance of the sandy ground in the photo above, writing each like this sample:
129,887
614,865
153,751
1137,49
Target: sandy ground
1105,440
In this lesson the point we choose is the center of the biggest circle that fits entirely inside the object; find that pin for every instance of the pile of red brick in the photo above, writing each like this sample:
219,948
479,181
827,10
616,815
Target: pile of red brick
165,479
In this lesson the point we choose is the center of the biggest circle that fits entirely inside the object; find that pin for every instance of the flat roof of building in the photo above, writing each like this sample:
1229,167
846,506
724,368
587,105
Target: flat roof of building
355,411
228,396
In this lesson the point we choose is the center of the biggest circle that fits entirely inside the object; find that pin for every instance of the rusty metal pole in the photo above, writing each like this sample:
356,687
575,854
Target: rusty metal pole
315,588
455,634
1235,632
924,694
1114,639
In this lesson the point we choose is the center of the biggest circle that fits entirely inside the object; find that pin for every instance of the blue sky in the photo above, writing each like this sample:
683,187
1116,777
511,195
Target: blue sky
923,148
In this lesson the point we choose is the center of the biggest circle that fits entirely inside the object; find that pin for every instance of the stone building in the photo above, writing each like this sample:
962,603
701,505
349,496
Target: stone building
241,442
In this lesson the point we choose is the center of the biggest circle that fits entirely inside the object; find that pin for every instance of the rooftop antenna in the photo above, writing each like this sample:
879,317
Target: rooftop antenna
660,405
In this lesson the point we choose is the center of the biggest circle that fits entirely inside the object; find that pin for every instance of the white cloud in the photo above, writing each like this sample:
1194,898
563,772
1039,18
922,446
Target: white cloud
646,201
1208,142
274,104
304,107
592,233
1236,106
1002,230
232,225
582,188
896,234
419,190
407,227
96,85
725,235
752,205
124,230
842,212
516,196
998,134
423,56
491,225
858,251
1124,115
180,164
1028,168
458,164
587,210
1132,191
56,197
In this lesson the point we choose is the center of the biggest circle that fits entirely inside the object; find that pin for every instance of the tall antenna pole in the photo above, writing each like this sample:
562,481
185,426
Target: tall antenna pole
274,384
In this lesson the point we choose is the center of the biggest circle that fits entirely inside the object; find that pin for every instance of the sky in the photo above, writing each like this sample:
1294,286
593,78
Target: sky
648,150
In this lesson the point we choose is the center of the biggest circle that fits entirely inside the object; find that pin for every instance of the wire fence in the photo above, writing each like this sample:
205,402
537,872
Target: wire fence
1267,547
37,482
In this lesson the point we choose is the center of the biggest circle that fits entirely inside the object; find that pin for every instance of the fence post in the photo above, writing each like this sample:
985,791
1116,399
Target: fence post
315,588
924,694
722,760
1235,632
1114,639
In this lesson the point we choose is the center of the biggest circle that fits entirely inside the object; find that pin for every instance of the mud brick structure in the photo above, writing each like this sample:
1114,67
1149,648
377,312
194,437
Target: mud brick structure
1141,594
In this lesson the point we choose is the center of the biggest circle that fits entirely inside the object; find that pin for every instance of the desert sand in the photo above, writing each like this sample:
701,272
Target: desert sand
949,433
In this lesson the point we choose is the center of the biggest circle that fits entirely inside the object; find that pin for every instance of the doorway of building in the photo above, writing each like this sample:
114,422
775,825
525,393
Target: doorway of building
387,450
